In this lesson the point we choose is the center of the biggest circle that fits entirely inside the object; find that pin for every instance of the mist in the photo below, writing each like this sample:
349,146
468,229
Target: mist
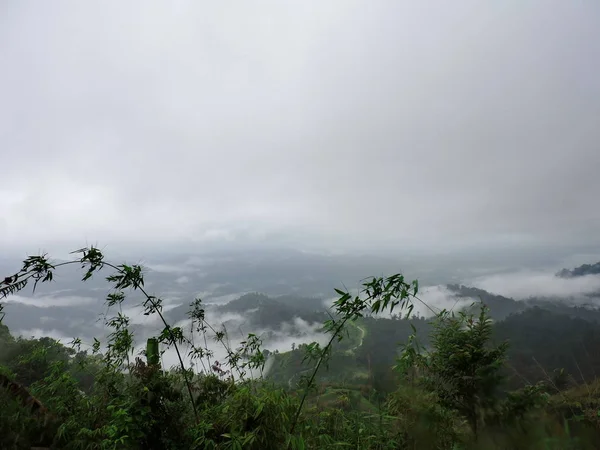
49,301
526,284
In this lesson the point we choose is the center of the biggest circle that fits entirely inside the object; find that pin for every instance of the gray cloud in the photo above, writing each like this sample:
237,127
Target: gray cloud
437,298
47,301
342,123
297,331
525,284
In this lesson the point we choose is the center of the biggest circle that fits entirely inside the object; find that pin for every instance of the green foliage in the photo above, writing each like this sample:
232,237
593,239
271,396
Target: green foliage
461,367
423,421
542,341
445,394
585,269
19,428
152,353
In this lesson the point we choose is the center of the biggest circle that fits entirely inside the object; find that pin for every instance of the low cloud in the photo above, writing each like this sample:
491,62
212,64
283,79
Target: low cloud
436,298
301,325
297,331
49,301
220,299
170,268
137,317
526,284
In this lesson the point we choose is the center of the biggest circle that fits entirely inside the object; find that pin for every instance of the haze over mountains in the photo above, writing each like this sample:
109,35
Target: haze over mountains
282,296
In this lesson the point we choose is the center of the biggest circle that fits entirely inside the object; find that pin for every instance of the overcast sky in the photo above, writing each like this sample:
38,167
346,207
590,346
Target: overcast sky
330,122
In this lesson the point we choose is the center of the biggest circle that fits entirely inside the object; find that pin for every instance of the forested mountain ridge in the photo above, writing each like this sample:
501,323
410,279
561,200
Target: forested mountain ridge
500,306
541,340
583,270
263,311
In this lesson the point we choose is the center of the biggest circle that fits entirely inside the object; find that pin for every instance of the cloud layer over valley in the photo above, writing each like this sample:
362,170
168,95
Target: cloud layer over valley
526,284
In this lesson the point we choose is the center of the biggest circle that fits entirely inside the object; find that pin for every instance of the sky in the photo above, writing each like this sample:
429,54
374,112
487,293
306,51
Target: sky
349,124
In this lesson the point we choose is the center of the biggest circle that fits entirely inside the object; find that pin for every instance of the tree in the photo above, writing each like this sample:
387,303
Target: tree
462,367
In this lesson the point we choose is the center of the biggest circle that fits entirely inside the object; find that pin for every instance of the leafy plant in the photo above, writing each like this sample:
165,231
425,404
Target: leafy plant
461,367
449,394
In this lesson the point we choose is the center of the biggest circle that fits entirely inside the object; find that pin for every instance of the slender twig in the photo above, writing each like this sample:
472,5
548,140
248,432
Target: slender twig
172,338
324,352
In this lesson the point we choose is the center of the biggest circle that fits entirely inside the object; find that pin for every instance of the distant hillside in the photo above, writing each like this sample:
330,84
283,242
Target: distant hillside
345,366
542,340
270,312
500,307
585,269
256,300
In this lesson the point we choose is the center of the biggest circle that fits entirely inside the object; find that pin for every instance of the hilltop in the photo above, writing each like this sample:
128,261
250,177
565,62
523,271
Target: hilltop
583,270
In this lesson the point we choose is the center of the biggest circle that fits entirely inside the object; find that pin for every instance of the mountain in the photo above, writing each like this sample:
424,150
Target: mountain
261,311
542,335
585,269
500,307
298,304
541,341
